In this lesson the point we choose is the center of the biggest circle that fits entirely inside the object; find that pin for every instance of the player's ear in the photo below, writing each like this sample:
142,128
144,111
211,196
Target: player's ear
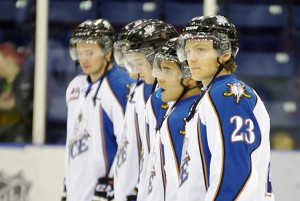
108,56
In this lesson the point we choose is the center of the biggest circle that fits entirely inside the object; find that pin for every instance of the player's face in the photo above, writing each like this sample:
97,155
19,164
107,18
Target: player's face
169,81
202,59
91,59
137,62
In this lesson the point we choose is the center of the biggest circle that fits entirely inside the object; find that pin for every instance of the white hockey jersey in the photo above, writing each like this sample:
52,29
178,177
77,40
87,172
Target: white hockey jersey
93,130
152,179
226,151
129,156
172,136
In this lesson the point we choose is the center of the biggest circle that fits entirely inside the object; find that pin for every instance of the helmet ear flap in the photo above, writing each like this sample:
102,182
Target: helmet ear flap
73,52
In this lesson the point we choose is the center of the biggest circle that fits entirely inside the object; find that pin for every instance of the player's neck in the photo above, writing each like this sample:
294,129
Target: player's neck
191,92
94,77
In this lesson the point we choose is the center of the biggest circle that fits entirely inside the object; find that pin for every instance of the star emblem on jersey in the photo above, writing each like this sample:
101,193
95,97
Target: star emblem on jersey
149,30
237,90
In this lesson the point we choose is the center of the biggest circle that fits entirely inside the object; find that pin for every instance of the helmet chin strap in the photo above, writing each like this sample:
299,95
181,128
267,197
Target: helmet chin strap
76,64
101,79
221,67
194,105
154,86
184,91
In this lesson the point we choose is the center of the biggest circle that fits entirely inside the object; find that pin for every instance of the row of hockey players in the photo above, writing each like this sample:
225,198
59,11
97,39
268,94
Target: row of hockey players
157,115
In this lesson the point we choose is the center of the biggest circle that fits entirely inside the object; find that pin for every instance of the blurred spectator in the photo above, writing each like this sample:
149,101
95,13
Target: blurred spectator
282,140
15,96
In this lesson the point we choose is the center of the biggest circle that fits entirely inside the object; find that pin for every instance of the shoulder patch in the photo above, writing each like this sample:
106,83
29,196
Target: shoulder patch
237,91
74,94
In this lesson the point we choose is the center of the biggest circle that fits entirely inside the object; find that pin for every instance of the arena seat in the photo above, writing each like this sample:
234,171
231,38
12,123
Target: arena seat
180,13
265,64
284,114
123,12
71,11
256,15
13,11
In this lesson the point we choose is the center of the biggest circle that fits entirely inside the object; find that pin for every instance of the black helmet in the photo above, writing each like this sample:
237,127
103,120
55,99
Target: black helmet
93,31
168,52
151,34
126,29
146,39
217,28
122,44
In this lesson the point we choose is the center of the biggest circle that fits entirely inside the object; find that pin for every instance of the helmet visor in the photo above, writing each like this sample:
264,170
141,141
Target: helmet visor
198,46
166,67
74,43
85,50
119,48
135,61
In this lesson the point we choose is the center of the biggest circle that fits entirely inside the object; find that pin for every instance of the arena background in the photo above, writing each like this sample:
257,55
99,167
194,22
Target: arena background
268,60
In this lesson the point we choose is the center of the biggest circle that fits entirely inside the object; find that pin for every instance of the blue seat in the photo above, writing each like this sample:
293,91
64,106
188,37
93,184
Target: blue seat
261,27
265,64
256,15
254,1
71,11
124,12
283,114
267,40
12,11
295,16
180,13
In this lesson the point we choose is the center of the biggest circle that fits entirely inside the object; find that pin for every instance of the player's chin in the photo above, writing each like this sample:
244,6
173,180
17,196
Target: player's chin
165,97
196,75
86,71
194,70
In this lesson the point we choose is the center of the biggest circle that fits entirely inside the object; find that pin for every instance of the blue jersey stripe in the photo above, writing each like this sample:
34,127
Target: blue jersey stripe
138,136
109,143
204,155
175,155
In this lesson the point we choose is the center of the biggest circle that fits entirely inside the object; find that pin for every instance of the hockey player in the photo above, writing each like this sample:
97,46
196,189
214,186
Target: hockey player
143,42
96,103
127,158
226,154
181,90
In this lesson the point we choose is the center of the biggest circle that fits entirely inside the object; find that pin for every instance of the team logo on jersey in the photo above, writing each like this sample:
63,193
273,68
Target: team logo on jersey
74,94
78,142
122,153
14,188
152,174
149,30
237,90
